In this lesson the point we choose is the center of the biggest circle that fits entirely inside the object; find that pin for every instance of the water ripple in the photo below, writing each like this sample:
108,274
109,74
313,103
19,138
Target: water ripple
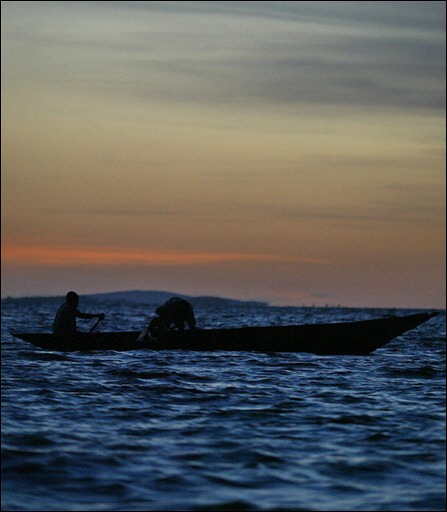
224,431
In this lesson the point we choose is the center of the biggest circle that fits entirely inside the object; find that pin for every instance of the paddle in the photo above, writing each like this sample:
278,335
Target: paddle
143,335
94,327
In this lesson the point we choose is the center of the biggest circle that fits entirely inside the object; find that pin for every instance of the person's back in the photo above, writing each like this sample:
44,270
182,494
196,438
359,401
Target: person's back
64,324
177,311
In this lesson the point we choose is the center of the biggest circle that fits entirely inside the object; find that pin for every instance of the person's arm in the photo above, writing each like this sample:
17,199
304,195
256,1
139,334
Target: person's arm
88,316
191,319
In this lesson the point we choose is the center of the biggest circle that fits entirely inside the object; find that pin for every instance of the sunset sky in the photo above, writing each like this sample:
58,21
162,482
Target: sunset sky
290,152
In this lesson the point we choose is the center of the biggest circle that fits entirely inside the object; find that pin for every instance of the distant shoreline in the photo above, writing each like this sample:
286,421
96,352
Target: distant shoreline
150,297
156,297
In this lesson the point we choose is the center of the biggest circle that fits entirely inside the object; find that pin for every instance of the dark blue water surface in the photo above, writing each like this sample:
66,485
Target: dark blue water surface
179,430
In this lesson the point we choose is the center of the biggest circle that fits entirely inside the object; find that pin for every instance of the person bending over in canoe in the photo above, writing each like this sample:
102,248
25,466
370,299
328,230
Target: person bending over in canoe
64,324
175,312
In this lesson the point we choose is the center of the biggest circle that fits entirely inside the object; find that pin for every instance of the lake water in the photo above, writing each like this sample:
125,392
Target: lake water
179,430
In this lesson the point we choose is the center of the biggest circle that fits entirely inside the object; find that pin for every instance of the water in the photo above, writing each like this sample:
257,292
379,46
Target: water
177,430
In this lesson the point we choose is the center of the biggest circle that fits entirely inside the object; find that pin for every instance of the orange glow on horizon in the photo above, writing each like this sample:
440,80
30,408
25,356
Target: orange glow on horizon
43,255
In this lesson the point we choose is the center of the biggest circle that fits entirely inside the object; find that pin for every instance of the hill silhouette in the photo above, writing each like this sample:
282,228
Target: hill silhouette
156,298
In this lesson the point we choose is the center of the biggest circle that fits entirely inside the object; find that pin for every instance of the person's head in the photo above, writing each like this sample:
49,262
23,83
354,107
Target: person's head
157,327
72,298
161,311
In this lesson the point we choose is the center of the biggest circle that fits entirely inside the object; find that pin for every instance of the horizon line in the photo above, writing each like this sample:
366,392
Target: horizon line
265,303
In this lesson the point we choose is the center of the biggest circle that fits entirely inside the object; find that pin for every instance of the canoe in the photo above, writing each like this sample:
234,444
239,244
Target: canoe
346,338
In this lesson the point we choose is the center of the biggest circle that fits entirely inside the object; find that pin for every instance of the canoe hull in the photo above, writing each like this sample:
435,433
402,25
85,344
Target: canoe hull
347,338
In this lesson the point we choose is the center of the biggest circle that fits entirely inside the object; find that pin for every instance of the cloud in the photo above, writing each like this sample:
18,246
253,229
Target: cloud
69,256
373,54
118,212
419,15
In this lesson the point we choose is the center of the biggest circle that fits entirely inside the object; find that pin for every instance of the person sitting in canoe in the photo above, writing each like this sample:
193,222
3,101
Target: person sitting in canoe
174,313
64,324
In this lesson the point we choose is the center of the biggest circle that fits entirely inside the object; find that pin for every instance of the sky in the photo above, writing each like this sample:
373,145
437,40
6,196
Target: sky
290,152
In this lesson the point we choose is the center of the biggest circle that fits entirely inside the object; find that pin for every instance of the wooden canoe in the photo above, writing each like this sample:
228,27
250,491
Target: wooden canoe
346,338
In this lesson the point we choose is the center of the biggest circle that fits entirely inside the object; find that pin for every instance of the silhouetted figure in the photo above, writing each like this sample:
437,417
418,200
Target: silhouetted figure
175,312
64,324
